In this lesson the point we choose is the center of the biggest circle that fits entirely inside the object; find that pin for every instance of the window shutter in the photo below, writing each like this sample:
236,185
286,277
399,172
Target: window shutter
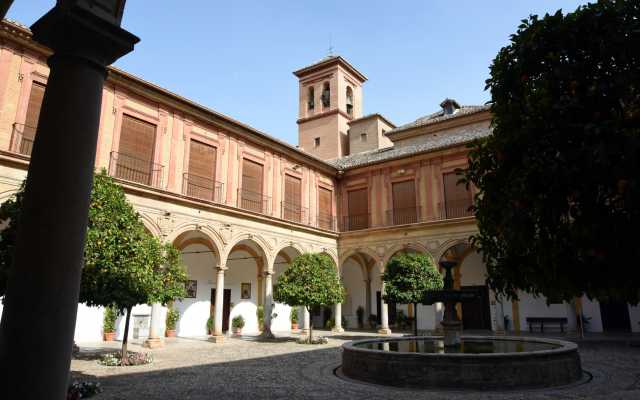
325,209
33,110
251,196
135,150
202,170
456,196
404,202
358,206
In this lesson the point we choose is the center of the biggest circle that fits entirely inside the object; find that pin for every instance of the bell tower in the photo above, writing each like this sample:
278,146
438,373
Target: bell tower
330,95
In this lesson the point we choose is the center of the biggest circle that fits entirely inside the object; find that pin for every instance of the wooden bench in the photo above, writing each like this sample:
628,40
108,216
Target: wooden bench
542,321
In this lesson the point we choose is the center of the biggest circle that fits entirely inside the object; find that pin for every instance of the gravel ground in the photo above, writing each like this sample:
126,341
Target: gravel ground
252,369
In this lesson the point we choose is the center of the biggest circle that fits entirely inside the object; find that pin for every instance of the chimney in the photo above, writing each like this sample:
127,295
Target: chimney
449,106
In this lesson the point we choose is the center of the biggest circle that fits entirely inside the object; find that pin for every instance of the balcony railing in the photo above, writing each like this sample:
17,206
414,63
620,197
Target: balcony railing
22,139
455,209
133,169
403,216
356,222
254,201
293,212
202,188
326,221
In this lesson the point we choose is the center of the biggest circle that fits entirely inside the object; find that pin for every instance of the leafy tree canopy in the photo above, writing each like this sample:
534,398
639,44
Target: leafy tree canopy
408,276
558,180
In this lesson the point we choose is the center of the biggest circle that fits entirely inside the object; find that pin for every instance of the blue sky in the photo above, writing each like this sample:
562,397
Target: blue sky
237,56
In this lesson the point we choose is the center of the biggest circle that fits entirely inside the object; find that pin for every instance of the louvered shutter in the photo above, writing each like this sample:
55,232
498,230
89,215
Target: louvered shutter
202,170
135,151
251,194
404,202
456,196
325,215
358,206
292,198
28,131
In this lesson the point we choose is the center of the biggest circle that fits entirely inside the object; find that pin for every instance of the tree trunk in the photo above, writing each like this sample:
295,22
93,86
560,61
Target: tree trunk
310,325
124,358
415,319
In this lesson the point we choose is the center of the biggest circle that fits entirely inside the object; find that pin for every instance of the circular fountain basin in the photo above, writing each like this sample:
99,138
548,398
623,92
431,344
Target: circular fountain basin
480,362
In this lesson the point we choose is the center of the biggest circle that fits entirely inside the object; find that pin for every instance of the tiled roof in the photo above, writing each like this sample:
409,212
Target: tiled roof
329,60
434,142
374,115
439,116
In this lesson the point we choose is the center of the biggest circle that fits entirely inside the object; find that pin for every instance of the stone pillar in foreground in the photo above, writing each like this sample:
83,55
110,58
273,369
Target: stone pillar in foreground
218,337
44,285
268,304
384,318
306,322
337,317
156,333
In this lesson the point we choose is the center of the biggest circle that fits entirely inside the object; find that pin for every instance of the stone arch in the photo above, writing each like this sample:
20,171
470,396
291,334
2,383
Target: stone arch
293,245
151,226
209,233
332,254
417,247
258,240
6,195
449,244
349,252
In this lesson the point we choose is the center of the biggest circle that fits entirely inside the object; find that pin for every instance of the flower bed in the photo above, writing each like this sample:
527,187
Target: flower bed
133,358
83,390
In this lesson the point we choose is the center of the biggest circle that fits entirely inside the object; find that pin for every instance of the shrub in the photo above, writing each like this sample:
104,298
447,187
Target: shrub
210,325
173,316
294,315
237,322
133,358
109,319
260,316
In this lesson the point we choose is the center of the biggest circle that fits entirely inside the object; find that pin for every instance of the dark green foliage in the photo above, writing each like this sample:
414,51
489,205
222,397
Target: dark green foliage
237,322
109,319
311,280
293,315
173,316
408,277
559,191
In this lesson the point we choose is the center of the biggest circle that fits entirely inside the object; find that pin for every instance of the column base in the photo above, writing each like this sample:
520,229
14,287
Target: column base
216,338
384,331
337,330
153,343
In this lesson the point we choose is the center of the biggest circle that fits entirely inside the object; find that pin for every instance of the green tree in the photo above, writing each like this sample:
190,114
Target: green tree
124,265
407,278
559,178
311,280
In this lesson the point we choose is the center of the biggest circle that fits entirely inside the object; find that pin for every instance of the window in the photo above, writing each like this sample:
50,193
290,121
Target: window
291,207
349,100
251,193
25,134
363,137
457,199
326,95
325,213
200,180
311,98
358,209
134,160
404,203
316,142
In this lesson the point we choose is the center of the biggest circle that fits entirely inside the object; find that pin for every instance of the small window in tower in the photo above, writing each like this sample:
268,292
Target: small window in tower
363,137
316,142
326,95
349,100
311,98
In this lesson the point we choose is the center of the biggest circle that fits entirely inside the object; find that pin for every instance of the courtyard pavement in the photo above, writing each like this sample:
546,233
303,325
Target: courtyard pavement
249,368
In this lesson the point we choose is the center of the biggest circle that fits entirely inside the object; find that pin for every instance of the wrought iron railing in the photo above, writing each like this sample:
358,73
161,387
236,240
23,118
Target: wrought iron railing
254,201
326,221
202,188
22,139
134,169
356,222
455,209
402,216
293,212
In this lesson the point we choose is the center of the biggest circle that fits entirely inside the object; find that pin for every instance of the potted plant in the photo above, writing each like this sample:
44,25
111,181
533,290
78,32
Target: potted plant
109,324
294,319
360,314
210,325
172,318
260,316
237,323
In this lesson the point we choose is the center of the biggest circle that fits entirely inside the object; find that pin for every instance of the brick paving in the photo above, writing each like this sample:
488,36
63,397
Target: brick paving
253,369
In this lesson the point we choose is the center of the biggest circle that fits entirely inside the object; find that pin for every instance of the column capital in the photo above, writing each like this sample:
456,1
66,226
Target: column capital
268,273
221,268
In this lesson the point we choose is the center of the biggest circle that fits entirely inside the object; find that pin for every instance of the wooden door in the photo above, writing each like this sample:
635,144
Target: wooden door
404,203
226,307
457,199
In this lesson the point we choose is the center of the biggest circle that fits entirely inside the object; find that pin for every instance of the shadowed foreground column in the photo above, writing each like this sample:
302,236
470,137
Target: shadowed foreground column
38,321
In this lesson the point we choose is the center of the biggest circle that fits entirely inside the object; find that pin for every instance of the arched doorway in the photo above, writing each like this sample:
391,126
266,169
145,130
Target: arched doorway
361,280
281,314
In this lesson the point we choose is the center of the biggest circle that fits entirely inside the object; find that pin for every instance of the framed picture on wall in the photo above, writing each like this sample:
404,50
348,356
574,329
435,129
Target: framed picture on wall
192,289
245,290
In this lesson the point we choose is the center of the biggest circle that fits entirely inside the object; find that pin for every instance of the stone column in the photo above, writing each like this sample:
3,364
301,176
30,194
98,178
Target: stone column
367,300
155,329
218,337
306,322
384,318
268,303
45,282
337,318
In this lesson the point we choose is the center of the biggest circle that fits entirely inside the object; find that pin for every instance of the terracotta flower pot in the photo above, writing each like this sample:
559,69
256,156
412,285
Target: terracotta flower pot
294,326
170,333
237,331
109,336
